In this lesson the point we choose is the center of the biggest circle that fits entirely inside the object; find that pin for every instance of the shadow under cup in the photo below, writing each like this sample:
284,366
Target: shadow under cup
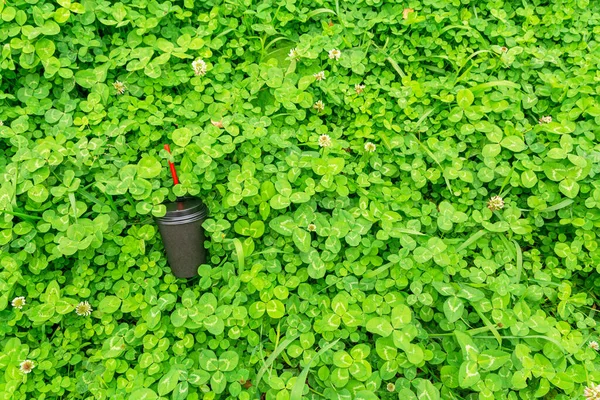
183,236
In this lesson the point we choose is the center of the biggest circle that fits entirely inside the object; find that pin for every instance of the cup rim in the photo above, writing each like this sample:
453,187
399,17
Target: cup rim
193,213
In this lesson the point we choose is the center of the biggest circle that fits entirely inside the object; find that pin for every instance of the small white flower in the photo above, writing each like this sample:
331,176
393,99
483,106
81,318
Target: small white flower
324,141
293,54
18,302
84,309
319,106
199,67
592,392
370,147
545,120
119,87
594,345
26,366
495,203
218,124
358,88
311,227
391,387
335,54
320,76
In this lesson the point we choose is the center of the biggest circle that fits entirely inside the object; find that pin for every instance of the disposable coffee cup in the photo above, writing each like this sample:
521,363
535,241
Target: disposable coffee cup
183,236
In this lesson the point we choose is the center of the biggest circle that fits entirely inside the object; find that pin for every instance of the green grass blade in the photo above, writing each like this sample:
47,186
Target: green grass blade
239,249
475,54
409,231
375,272
318,11
269,251
489,325
509,247
225,32
558,206
21,215
474,237
519,260
432,156
73,202
95,200
267,364
489,85
464,27
547,338
395,65
272,42
425,115
434,69
298,388
467,28
385,140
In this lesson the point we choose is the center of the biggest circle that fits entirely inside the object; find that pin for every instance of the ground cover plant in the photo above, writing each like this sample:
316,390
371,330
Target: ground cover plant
404,199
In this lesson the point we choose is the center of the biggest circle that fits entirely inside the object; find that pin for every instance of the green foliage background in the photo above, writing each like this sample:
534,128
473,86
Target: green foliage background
409,288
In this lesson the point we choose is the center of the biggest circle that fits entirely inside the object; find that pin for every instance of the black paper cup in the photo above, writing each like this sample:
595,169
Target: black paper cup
183,236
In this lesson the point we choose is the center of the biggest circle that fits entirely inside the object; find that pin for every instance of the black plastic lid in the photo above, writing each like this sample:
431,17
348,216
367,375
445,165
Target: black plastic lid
184,210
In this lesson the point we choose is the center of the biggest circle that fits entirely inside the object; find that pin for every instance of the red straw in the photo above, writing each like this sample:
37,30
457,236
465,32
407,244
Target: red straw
172,167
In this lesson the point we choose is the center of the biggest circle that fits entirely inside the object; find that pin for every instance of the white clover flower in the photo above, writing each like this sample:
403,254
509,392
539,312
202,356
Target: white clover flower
320,76
119,87
594,345
358,88
335,54
319,106
592,392
18,302
84,309
293,54
495,203
545,120
26,366
311,227
370,147
199,67
324,141
391,387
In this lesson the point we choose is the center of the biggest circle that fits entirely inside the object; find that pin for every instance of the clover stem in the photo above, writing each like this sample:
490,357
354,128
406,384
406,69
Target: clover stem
470,331
321,394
